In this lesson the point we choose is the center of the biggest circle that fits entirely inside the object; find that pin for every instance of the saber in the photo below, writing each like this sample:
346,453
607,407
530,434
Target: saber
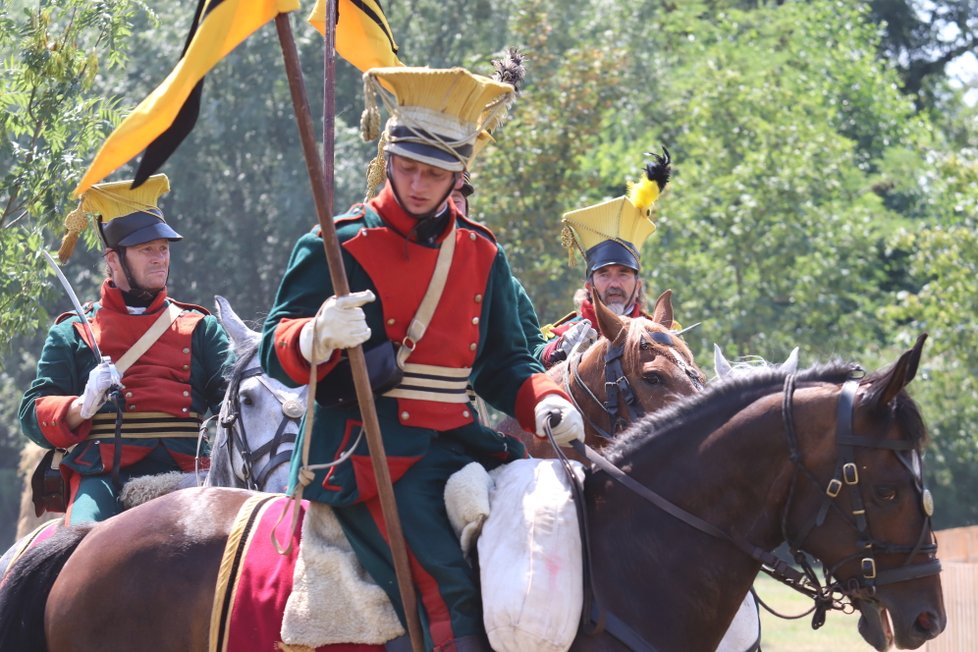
78,309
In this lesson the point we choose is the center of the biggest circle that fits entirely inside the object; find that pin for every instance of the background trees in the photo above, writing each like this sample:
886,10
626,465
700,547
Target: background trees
825,191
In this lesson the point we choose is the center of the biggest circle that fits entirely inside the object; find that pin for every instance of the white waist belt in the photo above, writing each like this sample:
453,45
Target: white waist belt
425,382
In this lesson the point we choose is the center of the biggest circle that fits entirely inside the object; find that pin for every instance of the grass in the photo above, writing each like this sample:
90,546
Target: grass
838,634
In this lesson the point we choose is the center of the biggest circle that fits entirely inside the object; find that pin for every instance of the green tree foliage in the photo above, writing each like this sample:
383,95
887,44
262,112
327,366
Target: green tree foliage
50,118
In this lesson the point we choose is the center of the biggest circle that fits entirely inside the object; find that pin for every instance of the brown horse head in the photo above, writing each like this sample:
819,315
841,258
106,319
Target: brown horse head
886,511
647,365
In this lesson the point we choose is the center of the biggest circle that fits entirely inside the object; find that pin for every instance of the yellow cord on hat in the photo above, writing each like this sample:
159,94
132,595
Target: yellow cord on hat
75,223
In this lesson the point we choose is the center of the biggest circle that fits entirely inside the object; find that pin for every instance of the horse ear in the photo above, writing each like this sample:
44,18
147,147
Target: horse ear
609,324
720,364
790,363
235,327
901,373
662,314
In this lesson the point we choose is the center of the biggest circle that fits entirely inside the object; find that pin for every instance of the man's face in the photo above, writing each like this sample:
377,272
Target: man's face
420,186
616,286
149,264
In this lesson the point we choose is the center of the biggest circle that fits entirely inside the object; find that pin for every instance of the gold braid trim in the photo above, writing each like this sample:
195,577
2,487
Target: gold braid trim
75,223
569,242
377,169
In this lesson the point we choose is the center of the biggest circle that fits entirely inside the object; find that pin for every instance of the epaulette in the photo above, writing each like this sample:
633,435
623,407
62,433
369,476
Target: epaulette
356,212
190,306
547,330
476,226
87,308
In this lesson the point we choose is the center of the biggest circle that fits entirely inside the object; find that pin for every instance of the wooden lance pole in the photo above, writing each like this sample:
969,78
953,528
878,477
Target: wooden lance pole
321,178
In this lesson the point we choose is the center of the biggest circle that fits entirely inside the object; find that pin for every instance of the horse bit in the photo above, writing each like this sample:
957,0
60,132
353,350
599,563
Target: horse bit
292,411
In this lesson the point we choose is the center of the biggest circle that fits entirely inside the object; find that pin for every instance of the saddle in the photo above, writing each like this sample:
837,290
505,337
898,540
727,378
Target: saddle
529,553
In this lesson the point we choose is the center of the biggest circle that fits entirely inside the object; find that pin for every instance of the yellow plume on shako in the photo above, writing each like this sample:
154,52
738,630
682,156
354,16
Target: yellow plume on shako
657,172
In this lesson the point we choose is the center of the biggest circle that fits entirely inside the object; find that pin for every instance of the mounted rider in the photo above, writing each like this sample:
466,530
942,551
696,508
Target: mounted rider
398,248
165,367
609,236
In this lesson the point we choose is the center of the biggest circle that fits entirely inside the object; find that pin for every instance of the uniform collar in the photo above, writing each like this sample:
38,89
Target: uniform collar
394,216
112,299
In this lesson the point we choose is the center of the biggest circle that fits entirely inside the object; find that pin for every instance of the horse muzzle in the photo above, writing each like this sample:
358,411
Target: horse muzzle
908,627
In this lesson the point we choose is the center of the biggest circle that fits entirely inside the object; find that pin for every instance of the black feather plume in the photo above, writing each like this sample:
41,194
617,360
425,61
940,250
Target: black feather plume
658,169
509,69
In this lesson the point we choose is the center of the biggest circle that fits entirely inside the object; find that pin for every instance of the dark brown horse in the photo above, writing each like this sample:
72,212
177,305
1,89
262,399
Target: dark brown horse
826,462
641,362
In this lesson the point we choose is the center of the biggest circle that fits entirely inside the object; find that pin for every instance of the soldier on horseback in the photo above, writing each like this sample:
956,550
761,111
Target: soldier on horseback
412,258
137,412
609,235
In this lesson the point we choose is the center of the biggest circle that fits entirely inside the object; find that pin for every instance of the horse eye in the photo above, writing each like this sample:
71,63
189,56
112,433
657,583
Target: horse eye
247,400
886,493
652,378
645,345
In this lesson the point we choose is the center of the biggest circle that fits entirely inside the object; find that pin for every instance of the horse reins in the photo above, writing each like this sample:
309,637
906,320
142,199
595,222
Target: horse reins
292,411
595,619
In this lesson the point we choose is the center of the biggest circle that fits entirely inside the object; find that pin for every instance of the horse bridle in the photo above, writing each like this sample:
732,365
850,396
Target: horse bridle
618,389
846,473
292,411
595,619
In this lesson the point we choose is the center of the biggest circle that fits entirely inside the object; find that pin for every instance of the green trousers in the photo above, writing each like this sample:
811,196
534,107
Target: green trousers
97,498
449,601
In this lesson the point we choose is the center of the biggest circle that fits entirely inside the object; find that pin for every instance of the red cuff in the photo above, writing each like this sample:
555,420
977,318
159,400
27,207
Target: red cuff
291,358
52,413
533,389
548,352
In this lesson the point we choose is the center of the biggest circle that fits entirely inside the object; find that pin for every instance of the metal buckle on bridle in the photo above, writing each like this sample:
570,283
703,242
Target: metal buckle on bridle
835,486
868,565
850,473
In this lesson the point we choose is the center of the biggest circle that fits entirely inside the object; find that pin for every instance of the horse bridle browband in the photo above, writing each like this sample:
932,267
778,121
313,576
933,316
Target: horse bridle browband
595,619
618,389
292,411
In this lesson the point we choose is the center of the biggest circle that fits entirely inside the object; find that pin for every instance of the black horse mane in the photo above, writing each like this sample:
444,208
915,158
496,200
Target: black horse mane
707,410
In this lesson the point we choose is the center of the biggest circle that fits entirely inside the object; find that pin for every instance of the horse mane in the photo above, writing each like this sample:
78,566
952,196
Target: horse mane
706,411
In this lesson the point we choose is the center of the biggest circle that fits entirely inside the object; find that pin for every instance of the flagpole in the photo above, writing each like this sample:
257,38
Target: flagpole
321,178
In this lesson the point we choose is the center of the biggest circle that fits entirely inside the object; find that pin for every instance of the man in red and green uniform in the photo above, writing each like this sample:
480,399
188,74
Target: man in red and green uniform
389,248
163,394
609,235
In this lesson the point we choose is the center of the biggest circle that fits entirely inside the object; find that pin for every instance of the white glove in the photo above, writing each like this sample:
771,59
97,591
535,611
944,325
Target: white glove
580,332
339,324
101,380
571,425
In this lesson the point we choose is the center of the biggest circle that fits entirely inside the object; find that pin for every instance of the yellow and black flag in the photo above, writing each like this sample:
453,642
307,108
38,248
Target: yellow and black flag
363,36
166,116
